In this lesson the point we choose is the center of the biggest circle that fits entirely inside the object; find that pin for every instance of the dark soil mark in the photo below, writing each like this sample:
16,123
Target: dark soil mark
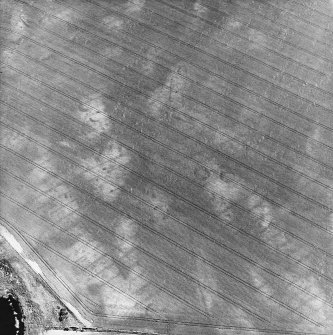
11,316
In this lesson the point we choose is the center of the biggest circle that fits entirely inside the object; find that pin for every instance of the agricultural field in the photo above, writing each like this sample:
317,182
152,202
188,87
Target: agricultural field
167,165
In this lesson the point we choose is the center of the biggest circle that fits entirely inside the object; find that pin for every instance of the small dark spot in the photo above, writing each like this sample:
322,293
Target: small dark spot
63,314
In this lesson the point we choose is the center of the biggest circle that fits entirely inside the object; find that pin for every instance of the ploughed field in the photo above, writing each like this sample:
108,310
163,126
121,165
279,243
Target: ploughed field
167,165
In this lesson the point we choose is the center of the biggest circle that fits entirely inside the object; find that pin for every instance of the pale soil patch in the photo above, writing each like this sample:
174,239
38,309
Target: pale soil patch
112,23
161,201
135,6
93,114
170,93
264,212
228,190
260,282
109,170
64,14
12,139
151,55
83,254
319,311
234,24
127,229
330,222
18,23
39,176
112,52
207,298
257,37
199,8
311,148
261,209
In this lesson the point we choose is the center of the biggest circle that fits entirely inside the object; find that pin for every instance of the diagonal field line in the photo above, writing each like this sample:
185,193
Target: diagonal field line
195,324
289,110
275,22
297,47
199,67
238,162
191,181
222,296
143,156
51,269
106,255
183,248
232,138
292,13
186,78
195,206
173,194
292,149
184,274
216,267
179,41
127,192
161,32
262,45
169,321
235,160
179,221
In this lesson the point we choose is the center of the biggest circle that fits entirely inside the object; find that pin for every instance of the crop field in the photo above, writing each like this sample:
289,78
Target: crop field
167,165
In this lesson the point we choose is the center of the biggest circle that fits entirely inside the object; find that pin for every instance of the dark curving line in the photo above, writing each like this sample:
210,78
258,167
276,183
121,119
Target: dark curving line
107,96
205,70
161,261
218,243
105,203
191,181
136,197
